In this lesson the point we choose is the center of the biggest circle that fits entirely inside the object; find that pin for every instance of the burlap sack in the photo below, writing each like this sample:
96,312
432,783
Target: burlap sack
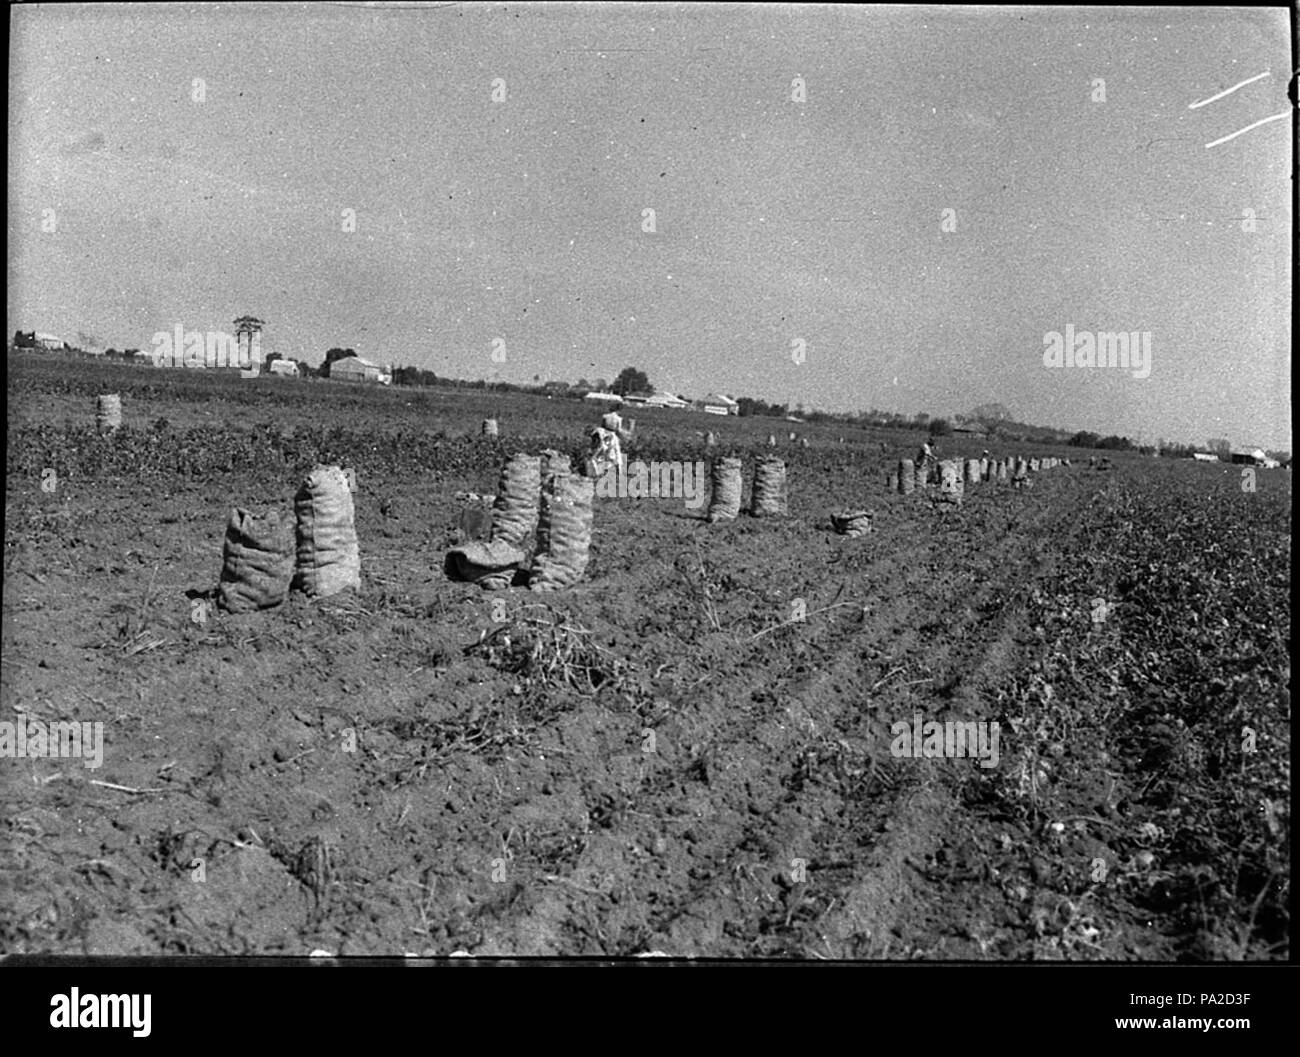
514,514
973,473
725,502
554,462
490,428
1002,471
563,533
108,413
769,499
490,565
328,557
852,523
906,476
257,563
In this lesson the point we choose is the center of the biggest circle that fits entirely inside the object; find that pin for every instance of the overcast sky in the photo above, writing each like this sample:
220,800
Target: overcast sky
776,219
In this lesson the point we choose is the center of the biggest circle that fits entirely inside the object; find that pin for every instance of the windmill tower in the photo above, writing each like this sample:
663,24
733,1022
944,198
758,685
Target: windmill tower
248,335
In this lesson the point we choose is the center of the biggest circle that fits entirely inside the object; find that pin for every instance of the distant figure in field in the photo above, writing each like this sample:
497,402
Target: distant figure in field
607,444
926,460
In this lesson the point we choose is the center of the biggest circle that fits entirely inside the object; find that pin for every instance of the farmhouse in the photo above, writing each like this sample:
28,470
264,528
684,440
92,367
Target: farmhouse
667,400
355,369
1249,456
1204,456
287,368
31,339
613,398
719,404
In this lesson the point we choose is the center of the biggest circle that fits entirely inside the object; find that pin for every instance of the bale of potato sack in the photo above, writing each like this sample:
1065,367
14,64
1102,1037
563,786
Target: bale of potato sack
490,564
514,513
329,559
725,502
108,413
1033,466
771,440
1002,471
891,481
554,462
491,428
852,523
906,476
803,442
973,474
769,499
563,533
710,441
950,482
257,562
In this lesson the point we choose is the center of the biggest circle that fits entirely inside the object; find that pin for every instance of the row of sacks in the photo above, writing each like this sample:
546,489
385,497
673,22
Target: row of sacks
953,474
768,497
542,506
315,551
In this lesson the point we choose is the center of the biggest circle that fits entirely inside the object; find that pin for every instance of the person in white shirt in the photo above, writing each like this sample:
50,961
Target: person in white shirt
606,445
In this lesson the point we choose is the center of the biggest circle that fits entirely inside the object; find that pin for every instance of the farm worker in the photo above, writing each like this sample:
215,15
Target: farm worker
606,445
927,461
925,456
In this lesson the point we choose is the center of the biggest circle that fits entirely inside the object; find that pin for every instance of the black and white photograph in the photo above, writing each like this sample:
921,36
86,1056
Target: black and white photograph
637,483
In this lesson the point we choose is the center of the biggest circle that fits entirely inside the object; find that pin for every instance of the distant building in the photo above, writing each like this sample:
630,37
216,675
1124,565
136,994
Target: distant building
719,404
354,369
1204,456
1249,456
970,431
287,368
31,339
667,400
597,395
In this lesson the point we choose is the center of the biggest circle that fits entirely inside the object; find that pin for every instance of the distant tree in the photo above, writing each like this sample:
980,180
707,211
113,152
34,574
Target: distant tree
940,427
112,354
631,380
1220,447
582,383
1084,439
600,385
746,405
